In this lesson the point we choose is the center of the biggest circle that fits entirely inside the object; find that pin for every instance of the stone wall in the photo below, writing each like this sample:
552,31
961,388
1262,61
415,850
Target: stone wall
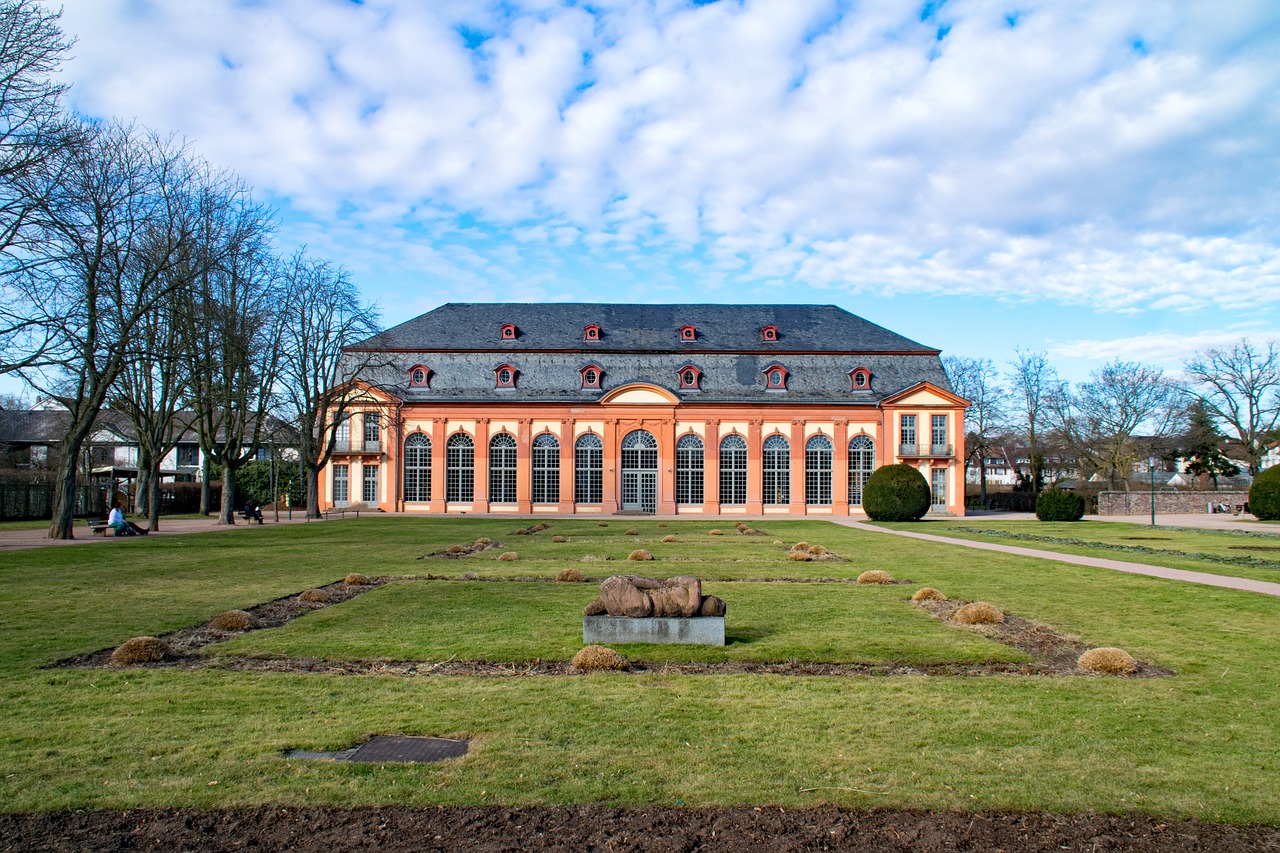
1139,503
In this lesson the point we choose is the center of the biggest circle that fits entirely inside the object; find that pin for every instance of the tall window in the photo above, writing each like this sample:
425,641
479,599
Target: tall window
341,494
689,465
733,470
546,469
817,471
417,468
908,433
588,469
369,492
502,469
342,435
938,432
459,469
862,461
939,482
372,430
777,470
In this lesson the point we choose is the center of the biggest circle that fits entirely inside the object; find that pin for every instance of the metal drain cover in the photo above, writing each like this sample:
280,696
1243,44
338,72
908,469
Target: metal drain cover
392,749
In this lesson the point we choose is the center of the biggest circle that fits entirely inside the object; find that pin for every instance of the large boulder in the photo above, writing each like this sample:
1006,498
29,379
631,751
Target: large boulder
637,597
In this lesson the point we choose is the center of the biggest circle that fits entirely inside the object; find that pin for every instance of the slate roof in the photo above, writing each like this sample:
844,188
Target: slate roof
474,326
819,345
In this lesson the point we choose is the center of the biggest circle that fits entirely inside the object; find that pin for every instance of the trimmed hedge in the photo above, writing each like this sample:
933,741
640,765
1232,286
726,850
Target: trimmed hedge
1059,505
896,493
1264,495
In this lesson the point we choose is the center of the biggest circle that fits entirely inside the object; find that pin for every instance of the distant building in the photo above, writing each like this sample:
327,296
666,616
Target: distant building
599,408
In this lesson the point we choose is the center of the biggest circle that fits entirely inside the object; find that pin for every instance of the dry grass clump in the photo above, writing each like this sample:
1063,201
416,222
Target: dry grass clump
523,531
748,531
875,576
799,556
539,527
140,650
741,525
484,540
639,554
508,556
470,576
818,550
234,620
662,524
800,546
602,524
978,613
632,532
559,539
598,659
456,549
669,538
314,596
569,576
717,533
777,542
1111,661
357,579
928,593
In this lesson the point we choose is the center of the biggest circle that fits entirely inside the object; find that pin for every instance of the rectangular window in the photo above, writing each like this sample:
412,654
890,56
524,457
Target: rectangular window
939,488
907,435
938,433
341,497
342,436
689,470
369,492
188,455
372,431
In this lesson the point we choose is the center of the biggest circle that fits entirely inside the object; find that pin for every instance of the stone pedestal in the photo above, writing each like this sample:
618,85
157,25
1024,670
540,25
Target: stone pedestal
695,630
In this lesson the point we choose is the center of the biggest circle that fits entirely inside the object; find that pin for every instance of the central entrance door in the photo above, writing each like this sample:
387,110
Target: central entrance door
639,472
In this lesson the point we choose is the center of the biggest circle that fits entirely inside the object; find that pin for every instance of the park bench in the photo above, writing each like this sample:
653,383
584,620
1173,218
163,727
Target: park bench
98,526
248,516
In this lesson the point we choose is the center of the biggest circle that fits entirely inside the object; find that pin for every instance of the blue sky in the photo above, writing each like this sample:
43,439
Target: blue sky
1097,178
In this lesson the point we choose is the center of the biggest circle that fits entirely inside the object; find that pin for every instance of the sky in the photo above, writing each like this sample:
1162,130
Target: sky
1098,179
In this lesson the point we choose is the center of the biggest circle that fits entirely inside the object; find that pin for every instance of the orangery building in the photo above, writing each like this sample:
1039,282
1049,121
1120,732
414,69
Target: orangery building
675,409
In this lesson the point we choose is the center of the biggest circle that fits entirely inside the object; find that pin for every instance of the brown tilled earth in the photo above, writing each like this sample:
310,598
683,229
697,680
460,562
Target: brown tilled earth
494,828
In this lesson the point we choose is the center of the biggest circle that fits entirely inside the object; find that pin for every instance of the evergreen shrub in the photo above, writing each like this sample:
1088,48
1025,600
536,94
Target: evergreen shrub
1264,495
896,493
1059,505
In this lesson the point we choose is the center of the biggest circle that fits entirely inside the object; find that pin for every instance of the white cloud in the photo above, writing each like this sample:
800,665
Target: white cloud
1118,155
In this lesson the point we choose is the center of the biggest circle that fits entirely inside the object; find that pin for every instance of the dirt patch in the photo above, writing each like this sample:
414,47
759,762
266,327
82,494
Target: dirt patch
494,828
1252,548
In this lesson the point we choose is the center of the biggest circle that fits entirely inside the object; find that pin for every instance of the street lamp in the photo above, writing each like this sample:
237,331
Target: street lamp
1151,466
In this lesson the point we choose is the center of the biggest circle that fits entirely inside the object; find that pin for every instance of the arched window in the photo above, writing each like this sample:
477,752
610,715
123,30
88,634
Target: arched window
591,332
769,333
502,469
733,470
419,375
459,469
591,376
862,461
417,468
777,471
508,331
689,465
861,379
546,469
588,469
504,376
817,471
775,378
689,378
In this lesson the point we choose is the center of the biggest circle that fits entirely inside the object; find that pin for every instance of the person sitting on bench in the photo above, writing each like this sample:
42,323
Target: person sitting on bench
122,526
253,513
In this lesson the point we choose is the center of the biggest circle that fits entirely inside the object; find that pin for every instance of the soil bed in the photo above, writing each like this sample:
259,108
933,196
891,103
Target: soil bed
494,828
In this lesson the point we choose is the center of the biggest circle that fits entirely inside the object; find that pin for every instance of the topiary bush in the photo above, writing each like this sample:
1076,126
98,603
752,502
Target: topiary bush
1109,660
569,576
978,613
875,576
1059,505
640,554
598,659
357,579
1264,495
314,596
896,493
508,556
928,593
140,650
234,620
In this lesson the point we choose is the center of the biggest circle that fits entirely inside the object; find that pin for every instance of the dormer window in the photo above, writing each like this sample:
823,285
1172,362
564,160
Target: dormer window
419,376
591,332
505,376
769,333
690,378
688,332
861,379
775,378
591,376
509,331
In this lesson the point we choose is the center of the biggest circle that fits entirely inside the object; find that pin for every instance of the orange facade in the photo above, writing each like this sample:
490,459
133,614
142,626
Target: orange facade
798,458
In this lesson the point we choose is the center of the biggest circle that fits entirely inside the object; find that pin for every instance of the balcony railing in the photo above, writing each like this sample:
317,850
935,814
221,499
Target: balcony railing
937,451
341,446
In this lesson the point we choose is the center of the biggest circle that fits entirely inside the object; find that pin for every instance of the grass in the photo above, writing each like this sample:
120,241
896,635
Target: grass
1219,552
1200,744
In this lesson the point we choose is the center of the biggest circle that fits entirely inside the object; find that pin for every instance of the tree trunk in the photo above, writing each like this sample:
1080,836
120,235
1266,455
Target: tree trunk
313,490
64,496
206,499
142,488
982,482
153,498
227,513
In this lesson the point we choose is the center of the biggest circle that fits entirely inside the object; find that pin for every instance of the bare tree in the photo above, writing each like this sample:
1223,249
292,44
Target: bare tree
324,315
231,336
1032,380
33,136
977,380
111,230
1240,387
1100,418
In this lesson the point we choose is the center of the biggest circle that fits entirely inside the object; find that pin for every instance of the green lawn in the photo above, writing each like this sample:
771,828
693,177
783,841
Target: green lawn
1199,744
1220,552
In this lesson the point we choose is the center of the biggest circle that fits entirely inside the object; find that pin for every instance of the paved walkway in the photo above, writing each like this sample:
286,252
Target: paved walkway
1205,578
13,540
